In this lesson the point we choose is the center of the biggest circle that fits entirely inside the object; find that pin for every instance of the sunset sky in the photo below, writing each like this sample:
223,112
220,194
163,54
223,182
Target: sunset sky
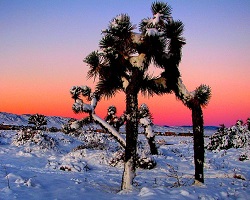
43,44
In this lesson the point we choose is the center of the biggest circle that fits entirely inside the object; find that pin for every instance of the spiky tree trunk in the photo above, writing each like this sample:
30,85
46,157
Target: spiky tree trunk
131,132
131,141
198,131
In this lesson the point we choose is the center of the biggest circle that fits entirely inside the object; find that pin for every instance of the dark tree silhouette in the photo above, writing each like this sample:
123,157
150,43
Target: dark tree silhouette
122,64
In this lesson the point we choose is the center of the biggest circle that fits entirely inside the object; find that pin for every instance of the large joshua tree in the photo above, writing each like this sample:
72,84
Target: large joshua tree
122,64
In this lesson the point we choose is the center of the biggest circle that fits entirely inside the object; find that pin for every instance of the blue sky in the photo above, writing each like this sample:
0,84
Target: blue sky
43,43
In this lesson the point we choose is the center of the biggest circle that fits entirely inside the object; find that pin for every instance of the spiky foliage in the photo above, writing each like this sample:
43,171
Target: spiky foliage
113,119
109,64
86,91
75,92
93,61
120,26
164,46
160,41
203,94
77,106
162,8
161,15
174,33
144,112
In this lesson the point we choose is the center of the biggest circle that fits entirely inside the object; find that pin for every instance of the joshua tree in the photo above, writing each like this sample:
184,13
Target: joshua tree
248,123
113,120
145,120
38,120
122,63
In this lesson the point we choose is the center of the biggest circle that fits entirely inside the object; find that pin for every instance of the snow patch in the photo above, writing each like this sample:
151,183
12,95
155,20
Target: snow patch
146,192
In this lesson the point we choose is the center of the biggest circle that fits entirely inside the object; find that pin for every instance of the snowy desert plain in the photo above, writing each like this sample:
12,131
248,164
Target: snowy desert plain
87,164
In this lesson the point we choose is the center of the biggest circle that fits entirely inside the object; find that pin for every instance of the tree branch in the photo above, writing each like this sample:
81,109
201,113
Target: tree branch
110,129
80,106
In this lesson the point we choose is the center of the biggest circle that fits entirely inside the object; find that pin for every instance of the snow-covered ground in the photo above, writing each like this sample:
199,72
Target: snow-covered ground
81,166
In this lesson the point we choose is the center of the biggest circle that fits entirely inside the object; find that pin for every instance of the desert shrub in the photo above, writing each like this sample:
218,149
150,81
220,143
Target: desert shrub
44,141
54,129
176,176
236,136
28,136
73,161
243,157
37,120
68,128
92,140
146,163
24,136
96,141
117,159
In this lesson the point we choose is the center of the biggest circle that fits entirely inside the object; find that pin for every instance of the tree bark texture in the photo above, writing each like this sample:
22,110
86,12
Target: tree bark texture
198,131
152,145
131,131
131,141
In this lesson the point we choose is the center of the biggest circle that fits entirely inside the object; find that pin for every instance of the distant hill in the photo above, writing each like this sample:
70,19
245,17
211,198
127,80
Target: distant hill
57,122
22,120
208,130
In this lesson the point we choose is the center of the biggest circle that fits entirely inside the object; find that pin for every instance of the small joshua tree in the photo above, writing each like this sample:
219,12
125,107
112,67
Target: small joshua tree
112,118
145,119
37,120
248,123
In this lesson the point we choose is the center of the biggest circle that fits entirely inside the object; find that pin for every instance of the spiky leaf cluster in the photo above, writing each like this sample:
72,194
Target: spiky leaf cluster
143,110
161,16
77,106
159,39
176,42
117,38
86,90
93,60
112,110
162,8
120,26
203,94
76,91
